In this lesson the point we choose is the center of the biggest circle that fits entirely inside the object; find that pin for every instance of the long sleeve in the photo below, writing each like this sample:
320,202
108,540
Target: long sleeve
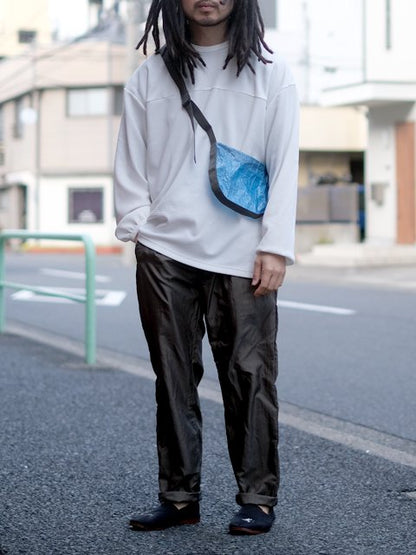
131,191
163,198
282,159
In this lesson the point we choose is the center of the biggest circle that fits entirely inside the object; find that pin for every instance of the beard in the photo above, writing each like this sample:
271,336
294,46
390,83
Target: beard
207,22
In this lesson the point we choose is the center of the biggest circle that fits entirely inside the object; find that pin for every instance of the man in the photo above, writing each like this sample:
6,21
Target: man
199,263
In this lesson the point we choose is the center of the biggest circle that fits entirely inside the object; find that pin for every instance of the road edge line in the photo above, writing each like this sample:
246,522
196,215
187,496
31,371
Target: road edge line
302,419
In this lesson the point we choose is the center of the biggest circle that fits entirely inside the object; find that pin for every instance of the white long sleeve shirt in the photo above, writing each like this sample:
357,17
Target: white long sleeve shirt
163,197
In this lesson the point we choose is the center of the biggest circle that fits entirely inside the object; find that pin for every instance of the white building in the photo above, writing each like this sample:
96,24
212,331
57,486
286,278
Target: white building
321,39
388,89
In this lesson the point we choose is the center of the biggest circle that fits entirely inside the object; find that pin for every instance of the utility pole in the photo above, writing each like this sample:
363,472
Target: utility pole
307,51
135,16
135,13
364,39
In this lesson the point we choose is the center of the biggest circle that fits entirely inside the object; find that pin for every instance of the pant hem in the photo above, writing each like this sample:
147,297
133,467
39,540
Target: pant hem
255,499
179,496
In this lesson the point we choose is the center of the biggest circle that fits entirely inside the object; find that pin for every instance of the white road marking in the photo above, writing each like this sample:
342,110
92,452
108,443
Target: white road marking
103,297
71,275
112,298
317,308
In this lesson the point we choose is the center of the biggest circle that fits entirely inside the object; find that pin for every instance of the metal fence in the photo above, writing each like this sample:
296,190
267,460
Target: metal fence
88,299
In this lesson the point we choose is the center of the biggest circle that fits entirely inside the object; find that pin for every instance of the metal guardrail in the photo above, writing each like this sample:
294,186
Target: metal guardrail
88,299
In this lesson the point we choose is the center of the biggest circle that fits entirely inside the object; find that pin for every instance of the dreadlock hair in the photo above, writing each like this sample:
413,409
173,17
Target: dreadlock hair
245,35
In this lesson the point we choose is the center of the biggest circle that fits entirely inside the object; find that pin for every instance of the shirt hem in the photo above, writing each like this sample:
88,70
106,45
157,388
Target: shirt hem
195,263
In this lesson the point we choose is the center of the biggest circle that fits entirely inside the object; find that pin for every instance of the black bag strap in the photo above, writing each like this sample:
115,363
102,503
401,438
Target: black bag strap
188,104
195,113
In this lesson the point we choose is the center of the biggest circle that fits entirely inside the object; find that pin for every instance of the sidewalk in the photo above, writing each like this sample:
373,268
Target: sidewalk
389,276
78,456
359,255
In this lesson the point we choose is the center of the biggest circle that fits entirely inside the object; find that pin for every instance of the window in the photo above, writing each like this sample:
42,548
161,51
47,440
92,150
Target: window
118,101
85,206
26,36
2,158
18,122
87,102
1,123
268,10
4,200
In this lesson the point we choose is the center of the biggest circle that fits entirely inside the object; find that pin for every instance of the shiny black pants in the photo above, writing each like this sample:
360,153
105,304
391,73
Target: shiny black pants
176,303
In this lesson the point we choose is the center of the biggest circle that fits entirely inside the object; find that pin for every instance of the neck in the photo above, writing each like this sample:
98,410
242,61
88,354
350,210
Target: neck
208,35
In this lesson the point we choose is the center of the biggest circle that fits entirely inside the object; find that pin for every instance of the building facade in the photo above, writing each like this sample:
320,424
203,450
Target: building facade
59,115
23,24
388,89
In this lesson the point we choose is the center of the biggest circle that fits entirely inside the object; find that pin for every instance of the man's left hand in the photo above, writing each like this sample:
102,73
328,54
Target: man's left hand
269,273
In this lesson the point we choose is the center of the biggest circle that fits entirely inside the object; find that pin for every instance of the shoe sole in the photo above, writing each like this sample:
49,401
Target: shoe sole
143,528
237,531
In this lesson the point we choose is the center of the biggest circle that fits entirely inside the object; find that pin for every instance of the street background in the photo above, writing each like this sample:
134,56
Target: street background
78,449
346,340
77,445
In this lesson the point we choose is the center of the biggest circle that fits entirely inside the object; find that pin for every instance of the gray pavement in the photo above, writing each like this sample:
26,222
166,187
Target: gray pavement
78,456
386,277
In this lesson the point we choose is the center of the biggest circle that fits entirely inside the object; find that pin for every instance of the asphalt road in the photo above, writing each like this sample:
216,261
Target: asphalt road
346,342
77,444
78,456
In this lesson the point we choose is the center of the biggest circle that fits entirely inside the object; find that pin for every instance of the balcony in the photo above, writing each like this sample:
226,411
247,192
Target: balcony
370,93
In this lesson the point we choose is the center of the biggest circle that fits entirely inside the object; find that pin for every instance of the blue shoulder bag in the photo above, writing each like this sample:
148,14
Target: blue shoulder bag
237,180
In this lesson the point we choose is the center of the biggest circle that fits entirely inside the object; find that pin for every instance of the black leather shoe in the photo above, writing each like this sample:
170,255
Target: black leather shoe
164,516
251,520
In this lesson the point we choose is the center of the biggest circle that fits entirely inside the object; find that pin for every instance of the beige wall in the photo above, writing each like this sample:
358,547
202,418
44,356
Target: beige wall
333,129
19,153
329,138
74,144
12,207
26,15
68,144
79,64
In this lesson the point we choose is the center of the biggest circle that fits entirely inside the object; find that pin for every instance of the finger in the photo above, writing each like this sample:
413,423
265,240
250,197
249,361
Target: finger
260,291
267,278
256,273
270,283
276,281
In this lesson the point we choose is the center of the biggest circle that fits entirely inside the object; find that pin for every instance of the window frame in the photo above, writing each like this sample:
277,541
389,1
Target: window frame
26,36
117,101
84,189
2,128
18,125
86,114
